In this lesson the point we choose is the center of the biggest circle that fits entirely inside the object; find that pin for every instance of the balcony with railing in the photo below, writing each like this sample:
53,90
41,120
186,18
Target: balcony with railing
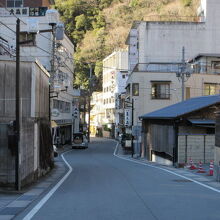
158,67
174,18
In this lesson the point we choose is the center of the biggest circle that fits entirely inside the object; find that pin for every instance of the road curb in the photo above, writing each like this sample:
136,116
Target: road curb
44,184
185,174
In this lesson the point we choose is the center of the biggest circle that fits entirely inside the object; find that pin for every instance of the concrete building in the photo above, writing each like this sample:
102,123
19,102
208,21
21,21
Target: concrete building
41,49
155,56
115,75
35,136
162,41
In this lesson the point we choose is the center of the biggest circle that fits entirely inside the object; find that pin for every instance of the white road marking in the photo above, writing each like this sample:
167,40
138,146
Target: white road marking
50,193
163,169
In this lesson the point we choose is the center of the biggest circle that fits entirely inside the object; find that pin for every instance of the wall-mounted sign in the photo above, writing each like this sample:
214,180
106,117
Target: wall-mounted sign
14,11
23,11
55,112
75,112
38,11
127,117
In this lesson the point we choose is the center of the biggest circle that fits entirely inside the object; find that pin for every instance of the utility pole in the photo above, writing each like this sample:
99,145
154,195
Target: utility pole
52,72
89,100
18,113
132,123
17,107
183,71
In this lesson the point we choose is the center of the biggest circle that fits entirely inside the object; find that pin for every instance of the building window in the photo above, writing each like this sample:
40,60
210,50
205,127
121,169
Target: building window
215,65
55,104
128,89
210,88
14,3
25,36
135,89
63,107
160,90
67,107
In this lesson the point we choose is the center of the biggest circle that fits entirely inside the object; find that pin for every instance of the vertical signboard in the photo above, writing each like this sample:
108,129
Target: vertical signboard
127,117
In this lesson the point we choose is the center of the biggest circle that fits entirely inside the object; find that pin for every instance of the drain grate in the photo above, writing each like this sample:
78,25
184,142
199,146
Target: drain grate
182,181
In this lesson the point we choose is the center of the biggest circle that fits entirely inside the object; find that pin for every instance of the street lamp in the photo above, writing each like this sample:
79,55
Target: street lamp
52,16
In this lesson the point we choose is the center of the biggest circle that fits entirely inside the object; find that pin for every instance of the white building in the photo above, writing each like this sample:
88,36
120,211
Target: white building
161,41
41,49
115,75
155,55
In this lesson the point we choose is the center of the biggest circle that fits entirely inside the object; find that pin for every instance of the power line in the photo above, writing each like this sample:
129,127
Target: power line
45,37
7,27
7,36
44,50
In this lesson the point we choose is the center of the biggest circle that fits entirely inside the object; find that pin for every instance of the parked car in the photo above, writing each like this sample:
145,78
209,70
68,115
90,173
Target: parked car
79,141
125,141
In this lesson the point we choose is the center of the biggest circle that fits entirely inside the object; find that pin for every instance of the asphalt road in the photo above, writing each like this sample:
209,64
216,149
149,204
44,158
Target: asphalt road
104,187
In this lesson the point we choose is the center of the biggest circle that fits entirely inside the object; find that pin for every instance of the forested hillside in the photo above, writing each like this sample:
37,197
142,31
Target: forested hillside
98,27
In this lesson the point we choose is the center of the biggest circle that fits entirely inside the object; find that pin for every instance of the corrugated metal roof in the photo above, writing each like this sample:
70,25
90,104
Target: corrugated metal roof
182,108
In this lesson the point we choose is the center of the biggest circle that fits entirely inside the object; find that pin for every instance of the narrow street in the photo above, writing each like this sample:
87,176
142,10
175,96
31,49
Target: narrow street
102,186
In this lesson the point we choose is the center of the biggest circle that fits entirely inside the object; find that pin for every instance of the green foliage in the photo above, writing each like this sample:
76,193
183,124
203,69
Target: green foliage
133,3
81,22
99,21
98,68
104,3
187,3
105,128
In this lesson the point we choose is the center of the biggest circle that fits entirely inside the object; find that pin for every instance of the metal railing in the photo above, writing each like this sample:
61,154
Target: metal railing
173,18
158,67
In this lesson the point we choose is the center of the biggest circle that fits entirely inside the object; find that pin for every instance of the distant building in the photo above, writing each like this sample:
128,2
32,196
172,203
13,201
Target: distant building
115,75
97,114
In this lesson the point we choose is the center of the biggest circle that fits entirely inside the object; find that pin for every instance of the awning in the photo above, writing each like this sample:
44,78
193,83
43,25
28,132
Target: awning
53,124
202,122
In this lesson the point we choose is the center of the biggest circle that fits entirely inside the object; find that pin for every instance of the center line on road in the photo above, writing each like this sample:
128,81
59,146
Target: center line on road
163,169
50,193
